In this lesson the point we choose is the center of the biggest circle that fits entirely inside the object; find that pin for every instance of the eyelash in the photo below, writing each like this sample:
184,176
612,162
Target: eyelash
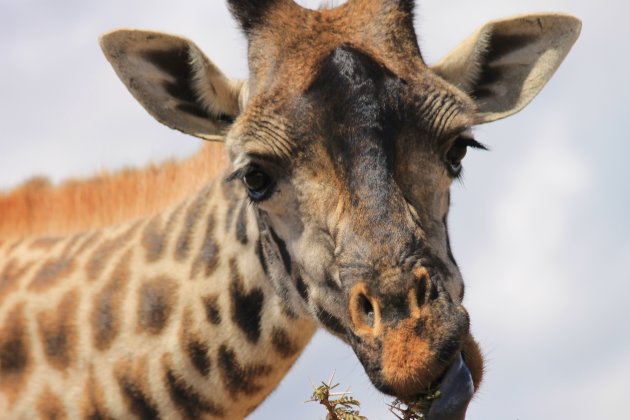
258,183
456,153
474,144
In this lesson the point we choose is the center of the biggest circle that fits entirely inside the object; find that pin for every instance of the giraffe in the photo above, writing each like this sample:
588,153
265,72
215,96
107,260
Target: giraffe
331,212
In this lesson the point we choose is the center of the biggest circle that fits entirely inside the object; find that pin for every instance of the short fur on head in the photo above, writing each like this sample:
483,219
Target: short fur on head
250,14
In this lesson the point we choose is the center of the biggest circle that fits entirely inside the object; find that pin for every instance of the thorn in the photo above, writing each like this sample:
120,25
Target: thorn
332,377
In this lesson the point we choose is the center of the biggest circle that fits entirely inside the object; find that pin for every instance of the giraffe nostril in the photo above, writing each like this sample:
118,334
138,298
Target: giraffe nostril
364,311
421,291
367,310
433,293
425,289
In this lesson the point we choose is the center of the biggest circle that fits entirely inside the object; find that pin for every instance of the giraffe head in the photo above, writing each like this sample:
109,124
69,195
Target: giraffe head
346,143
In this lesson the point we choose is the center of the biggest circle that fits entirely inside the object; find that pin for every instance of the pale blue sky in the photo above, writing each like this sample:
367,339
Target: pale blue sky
539,225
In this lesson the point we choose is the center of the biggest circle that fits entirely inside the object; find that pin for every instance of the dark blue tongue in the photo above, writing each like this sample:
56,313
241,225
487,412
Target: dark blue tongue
456,391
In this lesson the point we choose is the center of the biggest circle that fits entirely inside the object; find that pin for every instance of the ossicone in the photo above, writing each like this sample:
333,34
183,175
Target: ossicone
251,13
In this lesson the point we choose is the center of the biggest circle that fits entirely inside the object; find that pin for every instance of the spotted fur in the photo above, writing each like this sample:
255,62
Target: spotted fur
58,330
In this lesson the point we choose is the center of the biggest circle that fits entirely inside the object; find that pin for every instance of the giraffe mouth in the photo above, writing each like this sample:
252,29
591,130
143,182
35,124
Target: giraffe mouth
456,391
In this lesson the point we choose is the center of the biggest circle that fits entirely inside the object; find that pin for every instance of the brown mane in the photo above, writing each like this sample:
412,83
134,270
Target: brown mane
38,208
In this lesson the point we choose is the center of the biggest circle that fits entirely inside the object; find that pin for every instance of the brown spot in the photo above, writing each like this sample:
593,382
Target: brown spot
10,276
50,406
194,346
93,401
241,224
207,259
183,245
45,243
239,378
132,378
260,253
156,299
197,352
58,331
213,311
15,355
282,343
101,255
232,201
70,243
88,242
155,236
105,317
188,401
246,306
53,271
153,239
302,288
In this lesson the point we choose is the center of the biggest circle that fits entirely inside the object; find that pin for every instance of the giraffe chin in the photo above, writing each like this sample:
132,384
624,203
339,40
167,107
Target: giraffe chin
456,391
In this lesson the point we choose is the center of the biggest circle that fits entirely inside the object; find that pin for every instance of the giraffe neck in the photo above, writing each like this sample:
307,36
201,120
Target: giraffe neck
169,316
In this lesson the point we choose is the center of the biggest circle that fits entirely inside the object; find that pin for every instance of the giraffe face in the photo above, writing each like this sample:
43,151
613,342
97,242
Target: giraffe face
346,144
352,198
349,169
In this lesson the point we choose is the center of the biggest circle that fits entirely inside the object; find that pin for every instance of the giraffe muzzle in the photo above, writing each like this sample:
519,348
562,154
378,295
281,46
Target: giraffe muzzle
412,345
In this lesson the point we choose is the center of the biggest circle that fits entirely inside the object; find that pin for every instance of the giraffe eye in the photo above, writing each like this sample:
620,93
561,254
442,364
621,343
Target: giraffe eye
258,184
455,155
457,152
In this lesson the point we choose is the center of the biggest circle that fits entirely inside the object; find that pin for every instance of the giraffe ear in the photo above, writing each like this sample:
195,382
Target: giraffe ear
175,82
506,63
